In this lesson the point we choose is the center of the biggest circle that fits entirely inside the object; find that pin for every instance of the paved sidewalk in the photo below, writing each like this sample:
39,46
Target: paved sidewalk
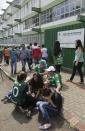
74,100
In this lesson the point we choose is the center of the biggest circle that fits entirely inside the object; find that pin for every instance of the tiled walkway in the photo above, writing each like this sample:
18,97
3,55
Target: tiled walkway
74,100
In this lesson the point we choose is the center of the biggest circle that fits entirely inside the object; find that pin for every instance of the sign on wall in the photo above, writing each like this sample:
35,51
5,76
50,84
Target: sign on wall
68,38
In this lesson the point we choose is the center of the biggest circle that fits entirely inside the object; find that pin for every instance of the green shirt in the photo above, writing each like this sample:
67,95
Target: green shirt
38,69
19,92
58,60
54,79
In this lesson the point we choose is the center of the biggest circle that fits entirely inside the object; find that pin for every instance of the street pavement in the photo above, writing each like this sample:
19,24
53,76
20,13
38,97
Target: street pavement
73,107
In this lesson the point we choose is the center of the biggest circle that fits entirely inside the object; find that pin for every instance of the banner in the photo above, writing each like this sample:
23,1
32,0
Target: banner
68,38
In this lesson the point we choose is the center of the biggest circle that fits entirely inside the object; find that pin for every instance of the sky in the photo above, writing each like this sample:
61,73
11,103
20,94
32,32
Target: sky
3,5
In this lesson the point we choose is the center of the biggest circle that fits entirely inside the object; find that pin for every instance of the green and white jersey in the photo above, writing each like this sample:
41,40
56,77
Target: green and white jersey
19,92
54,79
58,60
38,69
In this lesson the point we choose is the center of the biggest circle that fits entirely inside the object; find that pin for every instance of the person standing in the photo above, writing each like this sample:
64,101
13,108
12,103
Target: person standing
13,58
29,58
58,58
23,56
6,55
36,53
44,53
78,62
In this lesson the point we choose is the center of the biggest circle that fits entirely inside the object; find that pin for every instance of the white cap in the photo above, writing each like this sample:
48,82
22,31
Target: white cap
51,68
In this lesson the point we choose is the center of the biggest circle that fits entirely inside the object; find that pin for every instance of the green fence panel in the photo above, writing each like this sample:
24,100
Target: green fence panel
68,53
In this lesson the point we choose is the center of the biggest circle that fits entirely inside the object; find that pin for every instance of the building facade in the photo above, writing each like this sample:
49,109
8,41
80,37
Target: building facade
19,23
29,21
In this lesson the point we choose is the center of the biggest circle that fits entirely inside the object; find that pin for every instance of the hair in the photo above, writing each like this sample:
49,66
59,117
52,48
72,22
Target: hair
46,92
35,44
35,74
30,44
21,76
59,100
43,46
79,44
57,48
28,47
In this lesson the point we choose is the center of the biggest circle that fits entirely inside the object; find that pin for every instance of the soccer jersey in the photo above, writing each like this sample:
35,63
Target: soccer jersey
19,92
58,60
54,79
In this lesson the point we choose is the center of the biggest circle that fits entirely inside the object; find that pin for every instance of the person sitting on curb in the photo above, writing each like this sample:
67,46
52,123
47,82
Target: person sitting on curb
36,84
19,94
53,79
50,106
40,68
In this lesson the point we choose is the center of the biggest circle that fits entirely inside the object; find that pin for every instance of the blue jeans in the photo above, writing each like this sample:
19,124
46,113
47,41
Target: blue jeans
36,61
13,67
47,110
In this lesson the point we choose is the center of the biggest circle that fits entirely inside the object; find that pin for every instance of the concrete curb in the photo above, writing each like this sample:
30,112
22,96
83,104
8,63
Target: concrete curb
11,78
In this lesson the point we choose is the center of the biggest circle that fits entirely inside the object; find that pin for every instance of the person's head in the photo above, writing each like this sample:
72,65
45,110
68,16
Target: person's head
35,76
23,46
51,70
57,48
43,46
28,47
46,84
35,44
13,47
78,44
42,64
46,92
21,77
30,44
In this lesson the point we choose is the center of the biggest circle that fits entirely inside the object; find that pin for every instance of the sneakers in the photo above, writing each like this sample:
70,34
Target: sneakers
45,126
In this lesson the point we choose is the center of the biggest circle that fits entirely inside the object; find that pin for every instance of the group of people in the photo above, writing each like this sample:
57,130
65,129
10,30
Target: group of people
30,54
43,90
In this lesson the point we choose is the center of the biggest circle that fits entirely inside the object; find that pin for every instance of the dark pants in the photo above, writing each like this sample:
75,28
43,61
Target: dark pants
57,67
23,64
29,62
30,103
79,68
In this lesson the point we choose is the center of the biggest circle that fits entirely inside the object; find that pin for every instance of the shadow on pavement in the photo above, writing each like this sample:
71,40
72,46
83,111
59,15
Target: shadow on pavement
19,116
78,85
57,122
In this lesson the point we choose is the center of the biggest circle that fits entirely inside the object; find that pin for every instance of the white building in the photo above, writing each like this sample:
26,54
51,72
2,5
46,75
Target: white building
19,19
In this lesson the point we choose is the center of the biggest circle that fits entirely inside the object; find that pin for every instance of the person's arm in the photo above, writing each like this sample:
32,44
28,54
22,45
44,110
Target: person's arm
58,88
58,83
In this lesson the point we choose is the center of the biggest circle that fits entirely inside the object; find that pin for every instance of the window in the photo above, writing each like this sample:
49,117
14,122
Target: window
67,10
